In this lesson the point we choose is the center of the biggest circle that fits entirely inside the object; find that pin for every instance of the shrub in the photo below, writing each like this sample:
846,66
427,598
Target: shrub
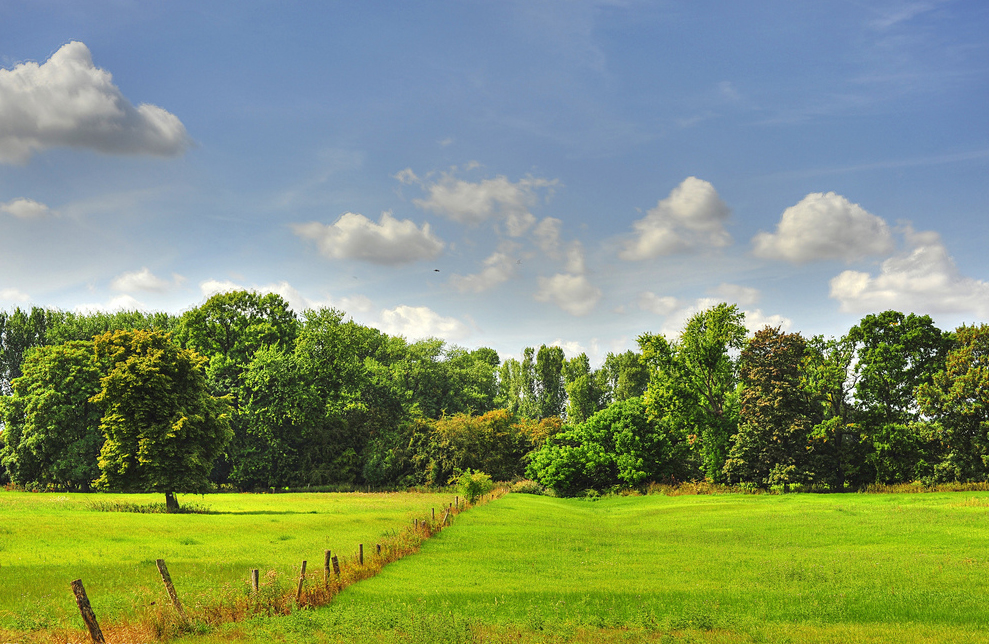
527,486
474,485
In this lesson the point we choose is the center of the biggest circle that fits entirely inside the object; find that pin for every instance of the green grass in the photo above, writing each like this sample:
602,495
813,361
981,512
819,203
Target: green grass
47,540
796,568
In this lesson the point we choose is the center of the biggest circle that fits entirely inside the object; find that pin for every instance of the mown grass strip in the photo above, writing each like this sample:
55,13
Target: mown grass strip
729,568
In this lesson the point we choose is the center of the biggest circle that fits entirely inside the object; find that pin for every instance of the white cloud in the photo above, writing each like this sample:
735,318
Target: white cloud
13,295
547,235
144,280
25,208
473,203
825,226
572,293
736,294
296,300
678,312
756,320
67,101
422,322
211,287
573,348
120,303
390,241
691,217
924,279
575,258
498,268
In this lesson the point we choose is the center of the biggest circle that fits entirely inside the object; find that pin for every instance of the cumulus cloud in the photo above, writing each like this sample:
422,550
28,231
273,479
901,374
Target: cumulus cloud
25,208
296,301
678,312
659,305
575,258
13,295
923,279
547,235
825,226
422,322
736,294
572,293
691,217
498,268
144,280
67,101
389,242
472,203
120,303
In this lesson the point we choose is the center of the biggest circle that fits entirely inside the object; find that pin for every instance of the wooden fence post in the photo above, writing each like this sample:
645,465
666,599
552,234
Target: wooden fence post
434,513
167,580
87,612
379,549
254,580
360,553
336,566
458,501
302,580
326,567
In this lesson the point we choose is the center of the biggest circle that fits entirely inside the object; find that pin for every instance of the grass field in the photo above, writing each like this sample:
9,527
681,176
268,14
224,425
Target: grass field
797,568
47,540
903,568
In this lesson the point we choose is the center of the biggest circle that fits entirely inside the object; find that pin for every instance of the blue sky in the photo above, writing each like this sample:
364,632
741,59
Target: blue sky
500,173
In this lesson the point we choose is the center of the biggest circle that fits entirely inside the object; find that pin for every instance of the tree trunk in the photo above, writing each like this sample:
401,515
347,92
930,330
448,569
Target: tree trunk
171,503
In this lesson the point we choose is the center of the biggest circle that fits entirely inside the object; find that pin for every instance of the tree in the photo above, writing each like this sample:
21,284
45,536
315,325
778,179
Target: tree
693,382
626,375
775,416
20,331
550,391
51,429
492,443
896,354
957,398
828,378
517,385
584,388
163,430
617,446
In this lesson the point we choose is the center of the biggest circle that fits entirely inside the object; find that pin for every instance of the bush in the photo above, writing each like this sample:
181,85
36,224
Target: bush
474,485
527,486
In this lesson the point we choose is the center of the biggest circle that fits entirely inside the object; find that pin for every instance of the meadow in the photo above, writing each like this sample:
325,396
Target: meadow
730,568
904,568
47,540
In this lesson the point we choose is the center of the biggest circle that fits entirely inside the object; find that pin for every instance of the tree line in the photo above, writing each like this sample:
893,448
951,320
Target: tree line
240,392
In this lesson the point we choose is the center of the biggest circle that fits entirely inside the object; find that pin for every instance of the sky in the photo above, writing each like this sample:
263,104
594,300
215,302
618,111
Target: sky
499,173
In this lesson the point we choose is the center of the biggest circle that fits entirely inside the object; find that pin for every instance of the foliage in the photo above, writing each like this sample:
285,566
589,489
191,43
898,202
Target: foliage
473,485
492,442
897,353
163,430
775,418
51,429
617,446
585,389
957,399
692,386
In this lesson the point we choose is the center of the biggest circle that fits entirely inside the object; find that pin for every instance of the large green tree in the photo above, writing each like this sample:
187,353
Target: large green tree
957,399
693,383
896,354
163,429
776,414
52,432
